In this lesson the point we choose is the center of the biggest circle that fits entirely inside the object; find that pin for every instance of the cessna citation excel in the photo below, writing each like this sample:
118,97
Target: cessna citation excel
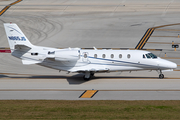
84,61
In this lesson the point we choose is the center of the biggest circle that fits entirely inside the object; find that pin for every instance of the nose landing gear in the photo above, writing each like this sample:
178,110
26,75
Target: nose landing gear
161,76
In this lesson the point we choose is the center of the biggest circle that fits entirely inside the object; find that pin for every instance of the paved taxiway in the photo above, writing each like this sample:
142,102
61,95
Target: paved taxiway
113,87
103,24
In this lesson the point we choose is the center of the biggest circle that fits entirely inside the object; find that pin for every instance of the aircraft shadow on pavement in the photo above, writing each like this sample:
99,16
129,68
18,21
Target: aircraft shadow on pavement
75,79
3,76
32,77
123,77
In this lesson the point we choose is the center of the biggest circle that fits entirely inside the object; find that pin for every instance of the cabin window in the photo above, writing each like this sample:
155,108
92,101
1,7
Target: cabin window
120,55
34,53
128,56
112,55
144,56
95,55
85,55
103,56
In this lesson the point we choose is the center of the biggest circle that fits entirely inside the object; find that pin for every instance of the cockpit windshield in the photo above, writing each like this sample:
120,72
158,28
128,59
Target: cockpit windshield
151,55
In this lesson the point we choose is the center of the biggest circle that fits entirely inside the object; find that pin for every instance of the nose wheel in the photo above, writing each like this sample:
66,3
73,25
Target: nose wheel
161,76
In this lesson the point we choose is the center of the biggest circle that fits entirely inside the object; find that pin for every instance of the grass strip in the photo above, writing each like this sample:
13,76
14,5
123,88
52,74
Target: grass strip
110,109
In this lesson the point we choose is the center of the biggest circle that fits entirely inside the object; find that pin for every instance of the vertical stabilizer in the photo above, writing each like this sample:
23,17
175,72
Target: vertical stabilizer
15,36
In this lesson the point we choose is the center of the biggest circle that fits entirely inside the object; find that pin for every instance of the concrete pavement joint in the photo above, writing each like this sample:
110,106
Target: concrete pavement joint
87,90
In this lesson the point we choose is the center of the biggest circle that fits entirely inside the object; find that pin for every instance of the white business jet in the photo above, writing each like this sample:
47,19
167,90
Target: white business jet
84,61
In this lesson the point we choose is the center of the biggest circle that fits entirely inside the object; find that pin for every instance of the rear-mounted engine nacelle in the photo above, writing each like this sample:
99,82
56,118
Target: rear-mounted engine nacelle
70,55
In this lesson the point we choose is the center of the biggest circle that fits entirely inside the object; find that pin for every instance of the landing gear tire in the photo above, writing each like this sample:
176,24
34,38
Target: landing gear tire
92,74
88,75
161,76
86,79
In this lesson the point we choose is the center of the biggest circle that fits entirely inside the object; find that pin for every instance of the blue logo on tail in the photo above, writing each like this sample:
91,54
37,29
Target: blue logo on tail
17,38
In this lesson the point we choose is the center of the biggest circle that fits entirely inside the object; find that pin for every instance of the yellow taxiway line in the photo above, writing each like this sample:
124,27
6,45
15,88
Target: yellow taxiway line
88,93
149,32
8,6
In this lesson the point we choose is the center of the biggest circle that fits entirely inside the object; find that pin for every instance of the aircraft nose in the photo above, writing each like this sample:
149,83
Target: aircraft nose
172,65
167,64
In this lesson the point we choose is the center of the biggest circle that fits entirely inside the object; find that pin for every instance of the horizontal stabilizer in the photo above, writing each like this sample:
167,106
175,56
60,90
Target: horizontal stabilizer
19,46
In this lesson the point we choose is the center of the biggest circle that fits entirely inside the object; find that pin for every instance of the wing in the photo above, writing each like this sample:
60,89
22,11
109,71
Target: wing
86,69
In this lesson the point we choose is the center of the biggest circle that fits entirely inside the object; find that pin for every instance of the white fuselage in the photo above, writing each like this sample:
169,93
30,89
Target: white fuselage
78,60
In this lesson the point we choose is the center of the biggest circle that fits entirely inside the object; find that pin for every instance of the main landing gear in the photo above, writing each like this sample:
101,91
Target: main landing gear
161,76
88,75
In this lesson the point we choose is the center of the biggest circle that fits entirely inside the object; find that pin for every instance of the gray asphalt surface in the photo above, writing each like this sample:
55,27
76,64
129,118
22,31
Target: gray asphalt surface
99,23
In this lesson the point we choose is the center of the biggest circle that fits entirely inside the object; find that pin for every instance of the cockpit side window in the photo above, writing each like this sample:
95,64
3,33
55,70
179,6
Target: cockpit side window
152,55
144,56
148,56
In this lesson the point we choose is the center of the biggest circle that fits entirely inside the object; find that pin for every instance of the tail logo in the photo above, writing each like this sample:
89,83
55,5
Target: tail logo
14,29
17,38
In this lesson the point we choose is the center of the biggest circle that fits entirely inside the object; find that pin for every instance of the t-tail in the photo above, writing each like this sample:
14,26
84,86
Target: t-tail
16,38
